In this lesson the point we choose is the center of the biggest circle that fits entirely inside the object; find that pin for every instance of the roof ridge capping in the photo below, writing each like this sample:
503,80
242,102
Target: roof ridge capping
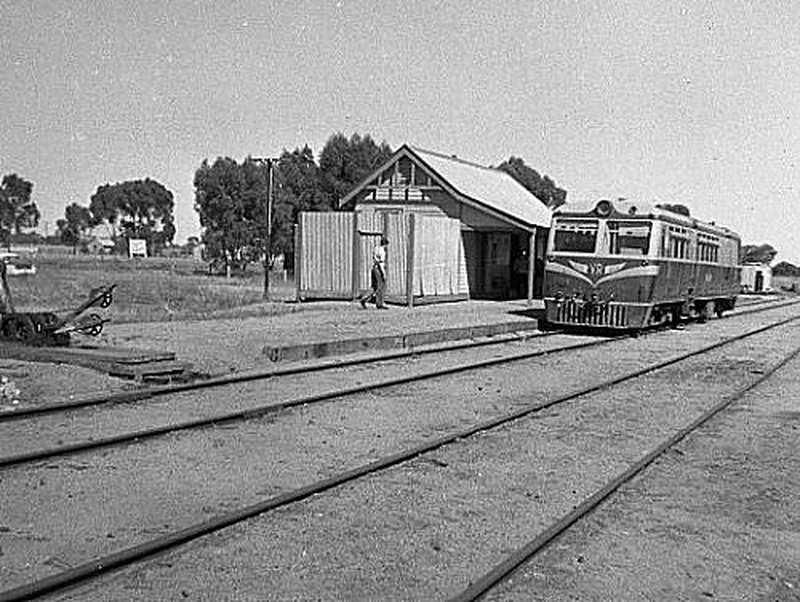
455,158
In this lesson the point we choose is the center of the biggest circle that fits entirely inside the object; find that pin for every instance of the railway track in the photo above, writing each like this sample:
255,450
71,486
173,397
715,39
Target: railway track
342,389
139,552
154,392
501,572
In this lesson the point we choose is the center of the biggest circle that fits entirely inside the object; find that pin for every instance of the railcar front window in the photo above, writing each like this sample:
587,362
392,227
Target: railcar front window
628,238
575,236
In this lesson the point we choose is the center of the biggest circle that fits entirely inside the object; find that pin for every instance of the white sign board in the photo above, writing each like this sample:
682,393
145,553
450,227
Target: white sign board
137,247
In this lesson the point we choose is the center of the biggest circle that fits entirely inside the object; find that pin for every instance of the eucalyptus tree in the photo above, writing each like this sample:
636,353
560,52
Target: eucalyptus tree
17,210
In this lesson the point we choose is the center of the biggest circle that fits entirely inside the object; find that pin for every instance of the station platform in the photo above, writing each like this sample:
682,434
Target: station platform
320,329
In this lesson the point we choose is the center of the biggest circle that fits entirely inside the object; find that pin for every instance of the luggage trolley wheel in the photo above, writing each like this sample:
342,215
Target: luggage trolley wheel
94,327
19,328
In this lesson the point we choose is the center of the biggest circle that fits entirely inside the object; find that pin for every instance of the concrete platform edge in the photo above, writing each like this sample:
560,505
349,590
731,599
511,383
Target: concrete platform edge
309,351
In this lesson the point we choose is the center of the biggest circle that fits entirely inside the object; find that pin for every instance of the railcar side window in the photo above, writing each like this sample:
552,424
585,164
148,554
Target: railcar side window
676,243
628,238
707,247
575,236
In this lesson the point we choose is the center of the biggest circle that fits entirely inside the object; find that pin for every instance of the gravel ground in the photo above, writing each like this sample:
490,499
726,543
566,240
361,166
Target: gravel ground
309,444
221,346
38,382
218,347
718,518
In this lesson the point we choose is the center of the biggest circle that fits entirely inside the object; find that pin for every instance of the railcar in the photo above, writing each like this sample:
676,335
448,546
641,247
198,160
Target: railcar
631,265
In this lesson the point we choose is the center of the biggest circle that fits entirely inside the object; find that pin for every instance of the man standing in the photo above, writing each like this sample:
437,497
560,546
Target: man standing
377,277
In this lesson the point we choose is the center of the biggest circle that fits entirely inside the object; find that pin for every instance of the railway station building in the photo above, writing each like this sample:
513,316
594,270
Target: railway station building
456,230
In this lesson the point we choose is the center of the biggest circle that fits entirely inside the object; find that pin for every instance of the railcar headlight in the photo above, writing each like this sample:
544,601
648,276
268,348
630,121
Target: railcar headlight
604,208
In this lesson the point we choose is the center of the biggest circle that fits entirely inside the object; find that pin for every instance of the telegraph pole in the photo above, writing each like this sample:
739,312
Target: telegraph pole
268,225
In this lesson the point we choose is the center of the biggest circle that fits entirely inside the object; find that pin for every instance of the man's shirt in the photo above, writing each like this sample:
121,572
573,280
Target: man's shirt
379,257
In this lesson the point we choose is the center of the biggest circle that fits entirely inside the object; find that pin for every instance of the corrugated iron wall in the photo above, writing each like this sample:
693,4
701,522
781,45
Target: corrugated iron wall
326,255
439,258
334,253
394,225
370,229
397,232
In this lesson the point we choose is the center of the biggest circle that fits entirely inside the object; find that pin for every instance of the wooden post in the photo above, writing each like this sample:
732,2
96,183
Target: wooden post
531,264
298,255
268,231
356,289
412,221
6,304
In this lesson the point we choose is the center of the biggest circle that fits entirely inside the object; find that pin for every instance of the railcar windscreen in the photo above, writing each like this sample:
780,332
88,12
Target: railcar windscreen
575,236
628,238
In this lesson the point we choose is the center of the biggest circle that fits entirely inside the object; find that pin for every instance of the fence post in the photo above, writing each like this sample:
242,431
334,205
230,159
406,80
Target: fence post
531,264
356,268
298,258
410,261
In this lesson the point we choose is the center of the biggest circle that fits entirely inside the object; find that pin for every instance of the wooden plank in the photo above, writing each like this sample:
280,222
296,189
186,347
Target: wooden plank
72,354
148,370
133,363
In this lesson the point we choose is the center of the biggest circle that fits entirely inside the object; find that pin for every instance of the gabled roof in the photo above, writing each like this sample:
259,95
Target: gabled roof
477,185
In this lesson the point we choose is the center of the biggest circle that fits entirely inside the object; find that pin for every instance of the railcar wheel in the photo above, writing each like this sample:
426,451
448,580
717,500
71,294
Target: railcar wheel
675,318
546,326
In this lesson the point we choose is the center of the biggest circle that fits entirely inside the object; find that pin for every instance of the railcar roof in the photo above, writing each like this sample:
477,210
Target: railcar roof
634,209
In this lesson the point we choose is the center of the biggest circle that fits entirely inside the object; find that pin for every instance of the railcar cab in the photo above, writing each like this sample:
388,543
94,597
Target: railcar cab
626,264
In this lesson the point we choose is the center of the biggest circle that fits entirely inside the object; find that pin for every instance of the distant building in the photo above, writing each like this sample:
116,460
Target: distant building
756,278
96,245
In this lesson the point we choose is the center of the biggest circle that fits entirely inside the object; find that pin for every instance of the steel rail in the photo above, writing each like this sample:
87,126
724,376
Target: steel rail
249,376
263,410
128,556
143,394
504,569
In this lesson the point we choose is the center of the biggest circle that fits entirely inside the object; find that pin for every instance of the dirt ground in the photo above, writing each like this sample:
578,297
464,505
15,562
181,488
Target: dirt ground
465,507
224,346
717,519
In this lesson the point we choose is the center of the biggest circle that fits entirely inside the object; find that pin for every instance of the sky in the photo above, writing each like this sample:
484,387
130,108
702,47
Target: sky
695,103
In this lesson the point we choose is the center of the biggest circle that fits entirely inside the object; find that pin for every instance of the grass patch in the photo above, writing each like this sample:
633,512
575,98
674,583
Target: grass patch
148,290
